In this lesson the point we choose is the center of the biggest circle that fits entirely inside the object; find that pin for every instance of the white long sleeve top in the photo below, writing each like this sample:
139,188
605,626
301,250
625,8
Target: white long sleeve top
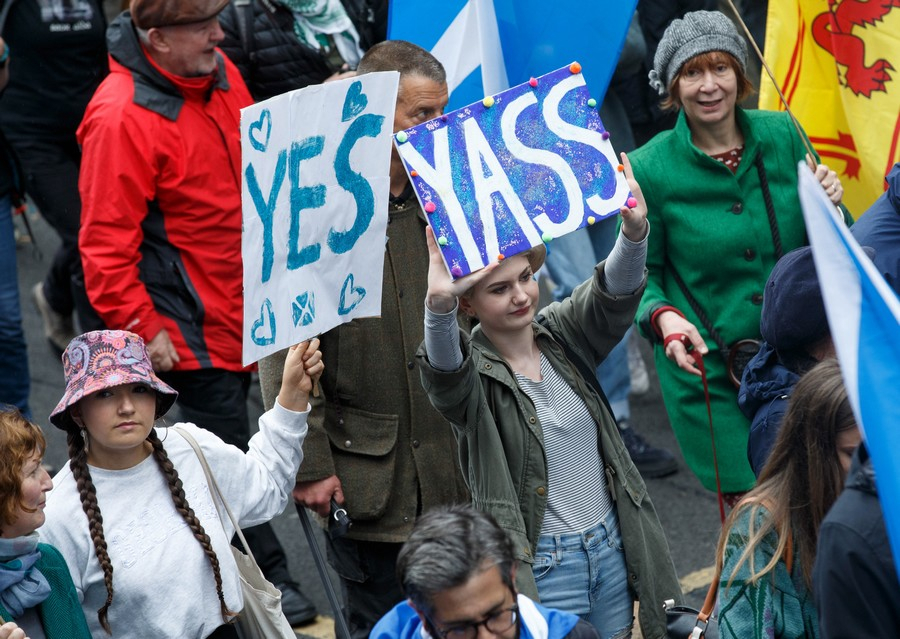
162,580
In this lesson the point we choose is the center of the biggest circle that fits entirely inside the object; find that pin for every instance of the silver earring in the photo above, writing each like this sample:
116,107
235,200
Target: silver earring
87,442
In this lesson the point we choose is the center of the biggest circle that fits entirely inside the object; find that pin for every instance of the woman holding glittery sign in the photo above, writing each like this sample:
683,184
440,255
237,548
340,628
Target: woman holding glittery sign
721,188
537,439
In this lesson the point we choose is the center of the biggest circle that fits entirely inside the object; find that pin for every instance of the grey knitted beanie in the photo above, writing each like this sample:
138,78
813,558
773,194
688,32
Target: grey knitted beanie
698,32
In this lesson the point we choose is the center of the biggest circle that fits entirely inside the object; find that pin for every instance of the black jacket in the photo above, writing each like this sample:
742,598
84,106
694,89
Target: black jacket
854,579
271,58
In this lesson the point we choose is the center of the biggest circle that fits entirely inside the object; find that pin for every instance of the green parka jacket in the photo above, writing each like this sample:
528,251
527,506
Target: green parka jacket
501,446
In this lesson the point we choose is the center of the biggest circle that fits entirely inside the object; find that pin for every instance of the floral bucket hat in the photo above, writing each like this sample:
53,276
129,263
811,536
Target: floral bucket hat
103,359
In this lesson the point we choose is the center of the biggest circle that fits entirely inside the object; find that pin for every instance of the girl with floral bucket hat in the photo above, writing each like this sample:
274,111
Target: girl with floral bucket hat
133,514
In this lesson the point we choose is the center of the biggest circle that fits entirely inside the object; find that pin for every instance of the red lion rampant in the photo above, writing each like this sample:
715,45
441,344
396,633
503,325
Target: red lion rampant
833,31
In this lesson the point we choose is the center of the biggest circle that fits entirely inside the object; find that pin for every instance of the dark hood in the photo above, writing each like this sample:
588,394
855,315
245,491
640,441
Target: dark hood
765,378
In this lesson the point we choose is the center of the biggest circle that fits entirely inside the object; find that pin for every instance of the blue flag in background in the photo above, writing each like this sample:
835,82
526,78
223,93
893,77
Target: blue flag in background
487,46
864,318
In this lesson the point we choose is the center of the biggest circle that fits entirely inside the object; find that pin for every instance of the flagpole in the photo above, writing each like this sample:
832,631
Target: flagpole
806,142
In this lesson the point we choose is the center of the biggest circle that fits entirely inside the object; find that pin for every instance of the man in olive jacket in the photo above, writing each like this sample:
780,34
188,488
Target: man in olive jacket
375,444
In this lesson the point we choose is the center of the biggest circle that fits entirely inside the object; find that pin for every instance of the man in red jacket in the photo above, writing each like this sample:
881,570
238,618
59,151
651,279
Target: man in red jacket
160,232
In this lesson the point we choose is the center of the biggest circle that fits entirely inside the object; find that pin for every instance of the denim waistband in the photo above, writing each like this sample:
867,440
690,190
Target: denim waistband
597,534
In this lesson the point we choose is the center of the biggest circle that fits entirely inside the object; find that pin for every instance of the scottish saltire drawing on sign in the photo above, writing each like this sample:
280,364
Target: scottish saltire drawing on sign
315,171
522,167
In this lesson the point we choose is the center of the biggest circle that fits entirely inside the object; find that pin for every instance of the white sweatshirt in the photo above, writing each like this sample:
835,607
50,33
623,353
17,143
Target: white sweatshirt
163,583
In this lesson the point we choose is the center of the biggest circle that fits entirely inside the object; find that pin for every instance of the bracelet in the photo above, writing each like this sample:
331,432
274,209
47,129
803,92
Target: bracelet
5,56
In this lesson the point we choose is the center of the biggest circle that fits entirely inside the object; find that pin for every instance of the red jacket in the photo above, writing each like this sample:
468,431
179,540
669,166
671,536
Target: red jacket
160,185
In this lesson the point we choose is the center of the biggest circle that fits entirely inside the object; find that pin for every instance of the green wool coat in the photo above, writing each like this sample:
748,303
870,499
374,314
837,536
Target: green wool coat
373,426
501,443
713,227
60,613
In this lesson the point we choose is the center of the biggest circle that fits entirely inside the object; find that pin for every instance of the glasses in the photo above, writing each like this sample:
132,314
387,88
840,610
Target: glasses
496,623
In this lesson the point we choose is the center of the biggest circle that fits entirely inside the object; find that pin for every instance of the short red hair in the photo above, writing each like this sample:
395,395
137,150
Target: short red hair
19,440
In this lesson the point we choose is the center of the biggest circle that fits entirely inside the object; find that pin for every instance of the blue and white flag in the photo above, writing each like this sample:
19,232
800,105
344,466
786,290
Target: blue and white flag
864,316
487,46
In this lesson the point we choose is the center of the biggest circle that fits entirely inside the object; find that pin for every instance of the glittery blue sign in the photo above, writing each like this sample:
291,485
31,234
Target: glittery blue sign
522,167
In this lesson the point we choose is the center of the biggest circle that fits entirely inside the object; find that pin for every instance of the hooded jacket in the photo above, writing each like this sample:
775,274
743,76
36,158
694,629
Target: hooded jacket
160,185
763,398
854,578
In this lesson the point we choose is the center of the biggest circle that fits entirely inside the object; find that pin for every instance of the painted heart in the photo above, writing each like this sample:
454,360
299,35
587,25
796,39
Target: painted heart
304,309
355,102
260,131
263,331
351,296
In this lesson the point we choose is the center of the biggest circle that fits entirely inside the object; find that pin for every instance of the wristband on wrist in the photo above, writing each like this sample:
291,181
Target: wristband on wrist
656,314
5,55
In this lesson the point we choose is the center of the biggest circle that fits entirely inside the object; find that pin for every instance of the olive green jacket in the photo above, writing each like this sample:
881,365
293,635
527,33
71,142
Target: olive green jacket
373,426
501,445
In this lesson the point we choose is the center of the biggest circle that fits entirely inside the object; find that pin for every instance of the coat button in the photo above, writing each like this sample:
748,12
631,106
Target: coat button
347,443
531,420
737,208
400,294
541,491
488,366
410,365
415,443
749,254
756,298
633,577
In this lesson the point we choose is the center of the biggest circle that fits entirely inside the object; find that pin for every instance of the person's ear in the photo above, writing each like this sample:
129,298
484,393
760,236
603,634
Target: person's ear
75,414
420,614
158,40
465,304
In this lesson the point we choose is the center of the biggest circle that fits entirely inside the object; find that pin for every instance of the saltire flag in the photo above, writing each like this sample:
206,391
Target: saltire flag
487,46
836,61
864,317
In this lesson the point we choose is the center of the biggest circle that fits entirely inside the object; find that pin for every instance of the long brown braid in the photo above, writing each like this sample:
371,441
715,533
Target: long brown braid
88,494
181,504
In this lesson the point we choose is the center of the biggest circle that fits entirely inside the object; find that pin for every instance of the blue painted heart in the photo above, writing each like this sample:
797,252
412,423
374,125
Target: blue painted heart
263,331
355,102
352,294
304,309
260,131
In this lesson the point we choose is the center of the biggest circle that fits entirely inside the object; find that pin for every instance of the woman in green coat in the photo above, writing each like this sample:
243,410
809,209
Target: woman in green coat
721,189
37,596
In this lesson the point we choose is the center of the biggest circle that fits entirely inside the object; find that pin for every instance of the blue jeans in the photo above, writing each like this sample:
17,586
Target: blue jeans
15,384
585,574
570,261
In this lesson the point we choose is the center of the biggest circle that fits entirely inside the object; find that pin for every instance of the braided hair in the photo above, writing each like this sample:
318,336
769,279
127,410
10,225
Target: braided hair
88,495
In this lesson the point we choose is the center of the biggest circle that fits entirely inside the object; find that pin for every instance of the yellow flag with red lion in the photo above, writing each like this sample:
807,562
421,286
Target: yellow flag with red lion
837,61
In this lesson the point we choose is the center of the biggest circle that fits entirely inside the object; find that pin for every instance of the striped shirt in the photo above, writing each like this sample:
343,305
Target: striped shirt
577,494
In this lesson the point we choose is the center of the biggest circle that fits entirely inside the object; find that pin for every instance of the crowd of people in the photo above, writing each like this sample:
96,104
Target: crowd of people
541,523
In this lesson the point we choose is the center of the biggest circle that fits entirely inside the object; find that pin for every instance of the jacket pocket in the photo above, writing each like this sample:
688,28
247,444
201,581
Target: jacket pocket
364,448
171,292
